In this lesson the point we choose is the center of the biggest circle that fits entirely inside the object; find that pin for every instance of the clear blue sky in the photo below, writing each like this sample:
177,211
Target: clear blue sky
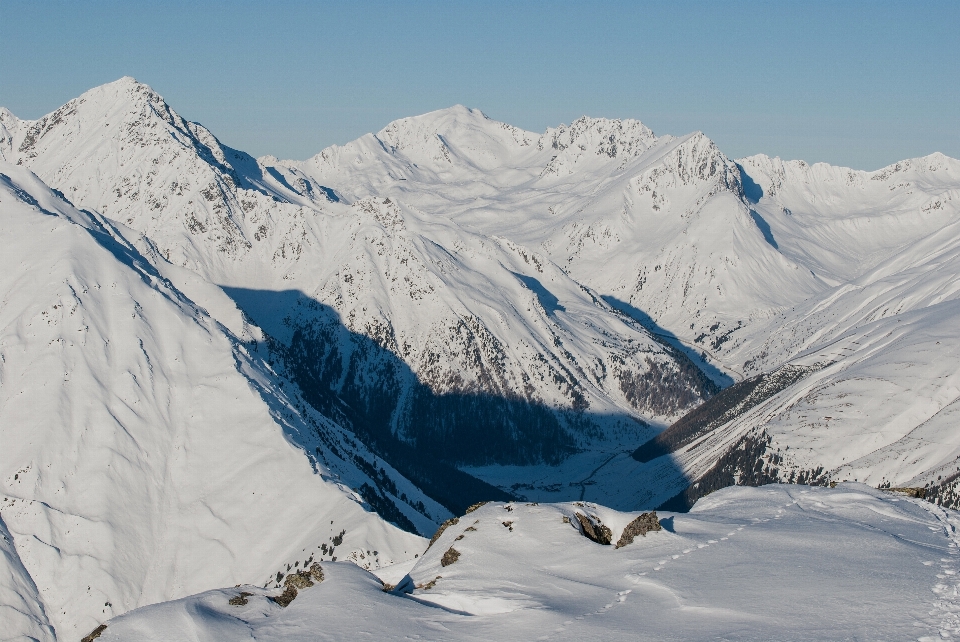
861,84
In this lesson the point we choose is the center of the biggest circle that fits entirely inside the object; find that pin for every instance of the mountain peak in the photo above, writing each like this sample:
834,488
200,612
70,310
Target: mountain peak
125,89
451,135
606,137
400,133
118,110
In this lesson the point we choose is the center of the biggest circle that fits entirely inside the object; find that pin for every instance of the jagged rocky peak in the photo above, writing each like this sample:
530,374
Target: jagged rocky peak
108,124
125,103
600,136
121,150
7,117
694,160
594,140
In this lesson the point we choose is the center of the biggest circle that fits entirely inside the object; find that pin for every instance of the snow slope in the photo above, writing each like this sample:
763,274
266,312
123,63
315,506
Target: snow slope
24,616
148,452
780,562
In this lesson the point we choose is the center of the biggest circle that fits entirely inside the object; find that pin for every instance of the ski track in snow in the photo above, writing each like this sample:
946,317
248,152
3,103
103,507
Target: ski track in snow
945,615
944,618
620,597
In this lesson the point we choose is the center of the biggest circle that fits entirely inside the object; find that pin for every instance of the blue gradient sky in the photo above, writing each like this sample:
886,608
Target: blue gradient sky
861,84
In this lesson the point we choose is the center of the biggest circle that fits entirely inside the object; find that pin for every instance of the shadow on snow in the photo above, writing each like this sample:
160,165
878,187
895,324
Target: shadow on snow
361,383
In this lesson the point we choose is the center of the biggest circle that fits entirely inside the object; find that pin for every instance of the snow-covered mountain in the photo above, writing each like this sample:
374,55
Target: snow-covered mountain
148,452
403,324
213,368
860,382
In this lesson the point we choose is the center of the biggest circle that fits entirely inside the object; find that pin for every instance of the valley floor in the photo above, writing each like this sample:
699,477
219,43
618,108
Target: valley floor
772,563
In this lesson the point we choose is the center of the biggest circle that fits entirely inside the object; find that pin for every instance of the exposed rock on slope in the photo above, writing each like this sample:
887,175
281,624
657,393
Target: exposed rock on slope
642,525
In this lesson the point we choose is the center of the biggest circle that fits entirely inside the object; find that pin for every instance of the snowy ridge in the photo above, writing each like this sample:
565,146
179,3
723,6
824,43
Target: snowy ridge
524,572
841,222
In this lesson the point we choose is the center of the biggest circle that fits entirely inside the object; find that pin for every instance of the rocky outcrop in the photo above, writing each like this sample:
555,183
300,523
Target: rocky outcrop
444,526
594,530
640,526
451,556
298,581
474,507
239,600
95,633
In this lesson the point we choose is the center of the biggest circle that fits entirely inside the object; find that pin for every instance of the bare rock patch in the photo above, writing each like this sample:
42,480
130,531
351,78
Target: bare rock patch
640,526
451,556
594,529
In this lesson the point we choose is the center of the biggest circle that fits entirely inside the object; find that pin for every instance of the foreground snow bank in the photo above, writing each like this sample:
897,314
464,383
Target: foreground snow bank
764,563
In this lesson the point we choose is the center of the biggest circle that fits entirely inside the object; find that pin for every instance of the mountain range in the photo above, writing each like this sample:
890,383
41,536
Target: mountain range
214,367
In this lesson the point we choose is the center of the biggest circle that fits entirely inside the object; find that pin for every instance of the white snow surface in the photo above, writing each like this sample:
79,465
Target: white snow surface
778,562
